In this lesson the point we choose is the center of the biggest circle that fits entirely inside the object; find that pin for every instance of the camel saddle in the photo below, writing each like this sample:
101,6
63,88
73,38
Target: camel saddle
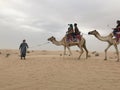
76,38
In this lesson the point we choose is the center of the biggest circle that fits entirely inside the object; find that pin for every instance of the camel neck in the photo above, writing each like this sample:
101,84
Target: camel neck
102,38
58,43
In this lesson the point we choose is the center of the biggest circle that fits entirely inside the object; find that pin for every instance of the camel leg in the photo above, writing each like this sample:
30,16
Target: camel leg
64,50
106,51
69,50
86,51
117,52
81,48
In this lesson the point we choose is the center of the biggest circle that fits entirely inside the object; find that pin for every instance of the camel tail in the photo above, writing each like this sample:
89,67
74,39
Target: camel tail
84,46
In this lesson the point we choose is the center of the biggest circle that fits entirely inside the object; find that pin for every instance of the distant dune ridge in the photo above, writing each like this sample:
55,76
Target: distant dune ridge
51,70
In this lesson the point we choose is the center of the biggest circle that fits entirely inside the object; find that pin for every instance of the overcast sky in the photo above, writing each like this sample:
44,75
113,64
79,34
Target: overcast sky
37,20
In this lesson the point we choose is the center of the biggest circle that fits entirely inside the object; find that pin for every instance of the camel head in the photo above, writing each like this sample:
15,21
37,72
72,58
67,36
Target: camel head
94,32
51,39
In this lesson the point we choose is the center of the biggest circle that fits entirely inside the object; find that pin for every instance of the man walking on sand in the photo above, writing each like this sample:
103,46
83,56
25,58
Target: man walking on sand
23,49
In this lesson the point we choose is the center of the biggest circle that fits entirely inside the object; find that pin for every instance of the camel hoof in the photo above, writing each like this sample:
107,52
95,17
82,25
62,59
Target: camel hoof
117,61
105,59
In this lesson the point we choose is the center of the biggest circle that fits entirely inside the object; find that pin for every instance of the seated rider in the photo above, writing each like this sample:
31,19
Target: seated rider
70,31
116,30
77,32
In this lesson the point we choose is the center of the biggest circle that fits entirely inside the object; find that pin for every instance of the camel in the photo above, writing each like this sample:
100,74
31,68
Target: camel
111,41
81,44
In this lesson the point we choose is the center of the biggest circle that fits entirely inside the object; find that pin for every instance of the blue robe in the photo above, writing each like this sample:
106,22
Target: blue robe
23,48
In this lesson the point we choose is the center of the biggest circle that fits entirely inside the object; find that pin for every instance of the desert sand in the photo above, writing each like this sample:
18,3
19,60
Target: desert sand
50,70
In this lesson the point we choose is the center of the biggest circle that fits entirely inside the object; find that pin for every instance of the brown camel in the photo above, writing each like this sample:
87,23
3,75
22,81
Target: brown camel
81,44
111,41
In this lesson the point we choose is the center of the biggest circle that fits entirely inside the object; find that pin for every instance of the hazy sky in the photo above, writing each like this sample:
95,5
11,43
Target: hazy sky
37,20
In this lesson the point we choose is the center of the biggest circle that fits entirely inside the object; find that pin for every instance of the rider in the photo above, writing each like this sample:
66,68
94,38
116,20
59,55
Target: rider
77,32
117,29
70,28
70,32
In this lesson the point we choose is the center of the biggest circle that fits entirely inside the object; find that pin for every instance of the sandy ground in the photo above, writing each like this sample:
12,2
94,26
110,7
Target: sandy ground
49,70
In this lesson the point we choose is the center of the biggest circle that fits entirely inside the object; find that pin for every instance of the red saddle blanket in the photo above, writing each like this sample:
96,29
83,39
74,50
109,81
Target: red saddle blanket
118,36
73,38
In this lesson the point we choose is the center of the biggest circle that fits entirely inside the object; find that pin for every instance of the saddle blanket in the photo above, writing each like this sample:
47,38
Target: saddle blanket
118,36
77,38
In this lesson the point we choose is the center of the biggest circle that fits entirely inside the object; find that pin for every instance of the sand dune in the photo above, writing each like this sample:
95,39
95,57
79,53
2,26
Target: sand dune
49,70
